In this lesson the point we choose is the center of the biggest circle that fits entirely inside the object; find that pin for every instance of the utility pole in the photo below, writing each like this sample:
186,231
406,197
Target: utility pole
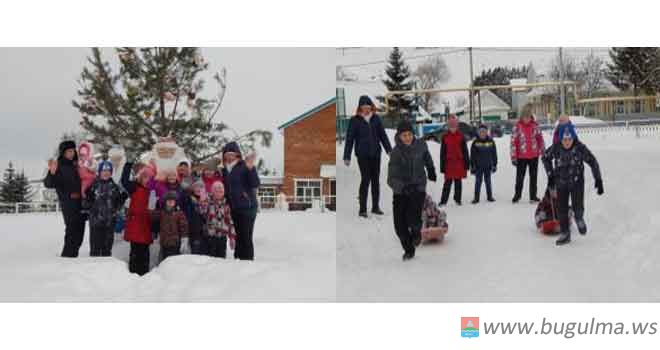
471,87
562,92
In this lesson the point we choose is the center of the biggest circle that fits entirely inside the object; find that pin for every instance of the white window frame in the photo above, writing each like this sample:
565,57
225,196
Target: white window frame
304,198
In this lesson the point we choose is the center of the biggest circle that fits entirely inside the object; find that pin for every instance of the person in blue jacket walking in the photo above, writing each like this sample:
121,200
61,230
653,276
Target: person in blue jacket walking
367,134
241,183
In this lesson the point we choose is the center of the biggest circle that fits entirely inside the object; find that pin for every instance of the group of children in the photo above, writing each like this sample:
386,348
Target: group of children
181,210
411,164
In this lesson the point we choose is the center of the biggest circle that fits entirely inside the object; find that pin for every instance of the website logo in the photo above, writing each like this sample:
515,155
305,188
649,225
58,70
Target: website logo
469,327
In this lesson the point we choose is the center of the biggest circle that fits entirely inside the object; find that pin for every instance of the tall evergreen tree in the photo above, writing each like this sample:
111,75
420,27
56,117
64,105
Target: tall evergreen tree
156,92
398,74
635,69
14,187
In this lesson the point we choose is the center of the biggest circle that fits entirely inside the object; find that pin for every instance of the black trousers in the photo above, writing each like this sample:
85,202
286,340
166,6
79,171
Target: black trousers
407,211
138,261
575,195
446,189
166,252
244,225
521,169
370,175
198,245
217,246
483,175
74,227
101,238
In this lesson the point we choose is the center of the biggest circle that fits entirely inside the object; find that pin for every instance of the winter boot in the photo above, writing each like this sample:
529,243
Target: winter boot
534,200
458,203
475,201
377,211
516,199
491,199
409,254
582,226
564,238
363,214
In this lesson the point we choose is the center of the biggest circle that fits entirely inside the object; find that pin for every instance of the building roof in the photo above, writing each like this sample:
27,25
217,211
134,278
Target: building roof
489,103
308,114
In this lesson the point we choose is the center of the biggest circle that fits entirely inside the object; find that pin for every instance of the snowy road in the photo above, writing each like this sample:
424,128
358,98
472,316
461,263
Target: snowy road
493,253
294,263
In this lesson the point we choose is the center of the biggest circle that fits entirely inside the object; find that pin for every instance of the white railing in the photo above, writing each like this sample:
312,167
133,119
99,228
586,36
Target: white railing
29,207
628,129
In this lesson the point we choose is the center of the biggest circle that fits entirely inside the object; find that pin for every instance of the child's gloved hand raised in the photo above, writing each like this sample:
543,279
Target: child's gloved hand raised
599,187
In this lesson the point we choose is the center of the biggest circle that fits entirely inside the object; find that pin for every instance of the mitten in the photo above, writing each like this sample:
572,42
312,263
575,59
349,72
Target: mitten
494,169
599,186
514,161
432,176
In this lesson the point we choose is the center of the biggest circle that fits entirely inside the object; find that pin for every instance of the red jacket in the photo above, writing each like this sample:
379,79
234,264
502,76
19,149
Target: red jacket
526,141
138,223
454,157
208,181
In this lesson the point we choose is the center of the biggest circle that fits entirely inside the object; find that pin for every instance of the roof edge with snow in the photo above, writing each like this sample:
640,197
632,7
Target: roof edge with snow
308,113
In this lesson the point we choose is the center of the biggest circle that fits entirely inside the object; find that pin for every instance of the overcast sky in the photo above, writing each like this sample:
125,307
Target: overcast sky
265,88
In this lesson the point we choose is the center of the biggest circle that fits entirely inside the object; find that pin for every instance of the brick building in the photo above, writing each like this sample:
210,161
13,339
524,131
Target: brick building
309,156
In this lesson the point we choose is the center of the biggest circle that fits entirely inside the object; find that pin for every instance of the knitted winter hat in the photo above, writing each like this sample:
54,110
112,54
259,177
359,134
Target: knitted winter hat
217,184
483,127
170,195
404,126
569,132
184,162
232,147
198,184
365,101
105,165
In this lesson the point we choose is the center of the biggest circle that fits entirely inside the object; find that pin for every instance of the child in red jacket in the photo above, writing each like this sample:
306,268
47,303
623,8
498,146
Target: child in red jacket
454,161
138,223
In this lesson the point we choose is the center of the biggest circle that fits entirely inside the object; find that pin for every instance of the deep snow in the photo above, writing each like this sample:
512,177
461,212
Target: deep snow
295,261
493,252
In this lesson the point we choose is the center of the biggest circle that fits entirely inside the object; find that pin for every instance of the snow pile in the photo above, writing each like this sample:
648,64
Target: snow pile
295,255
493,252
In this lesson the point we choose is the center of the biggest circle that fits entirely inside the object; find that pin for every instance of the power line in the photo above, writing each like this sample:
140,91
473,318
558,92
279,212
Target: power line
410,58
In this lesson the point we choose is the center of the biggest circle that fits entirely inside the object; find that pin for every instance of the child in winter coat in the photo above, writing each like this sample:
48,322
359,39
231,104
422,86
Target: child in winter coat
434,222
103,200
564,164
220,224
196,216
138,222
527,146
483,154
173,225
454,161
406,176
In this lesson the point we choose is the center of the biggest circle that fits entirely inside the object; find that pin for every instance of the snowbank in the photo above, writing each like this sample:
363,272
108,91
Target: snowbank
295,255
493,252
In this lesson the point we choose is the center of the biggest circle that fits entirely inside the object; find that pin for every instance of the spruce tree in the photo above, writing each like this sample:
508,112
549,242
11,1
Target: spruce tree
156,92
14,187
635,69
8,185
398,74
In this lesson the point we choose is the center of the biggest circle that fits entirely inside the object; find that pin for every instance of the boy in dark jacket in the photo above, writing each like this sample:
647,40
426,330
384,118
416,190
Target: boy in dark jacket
103,199
173,226
454,161
196,216
483,154
241,184
138,221
64,178
406,176
564,164
366,132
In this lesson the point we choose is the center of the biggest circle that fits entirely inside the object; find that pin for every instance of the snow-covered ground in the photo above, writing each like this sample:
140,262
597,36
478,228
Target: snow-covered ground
295,261
493,251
